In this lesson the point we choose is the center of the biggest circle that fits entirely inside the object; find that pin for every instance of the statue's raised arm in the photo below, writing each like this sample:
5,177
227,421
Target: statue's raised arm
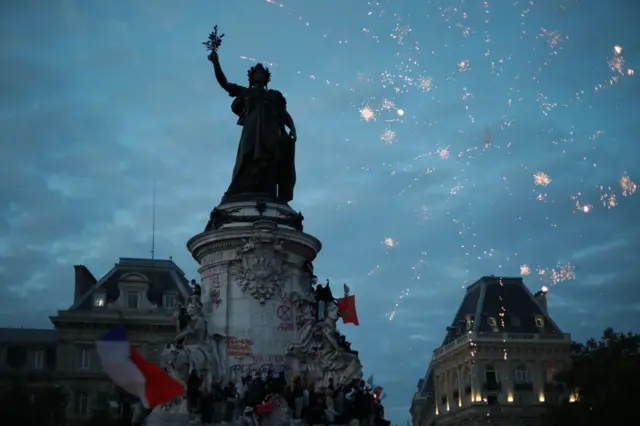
231,88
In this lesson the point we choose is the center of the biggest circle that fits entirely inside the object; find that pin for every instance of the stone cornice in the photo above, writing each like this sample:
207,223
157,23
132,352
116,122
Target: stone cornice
232,237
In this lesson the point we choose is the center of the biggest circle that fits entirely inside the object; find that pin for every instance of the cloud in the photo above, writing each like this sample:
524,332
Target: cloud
96,103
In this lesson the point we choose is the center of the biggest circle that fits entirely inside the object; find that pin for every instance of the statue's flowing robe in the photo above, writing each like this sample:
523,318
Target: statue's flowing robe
265,159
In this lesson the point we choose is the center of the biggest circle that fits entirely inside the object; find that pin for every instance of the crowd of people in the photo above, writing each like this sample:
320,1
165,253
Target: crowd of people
308,403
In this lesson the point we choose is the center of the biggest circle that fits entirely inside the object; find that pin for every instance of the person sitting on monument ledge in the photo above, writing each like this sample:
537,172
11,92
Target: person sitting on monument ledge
196,289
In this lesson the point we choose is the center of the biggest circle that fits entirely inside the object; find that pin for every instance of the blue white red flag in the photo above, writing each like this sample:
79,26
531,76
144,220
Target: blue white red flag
126,367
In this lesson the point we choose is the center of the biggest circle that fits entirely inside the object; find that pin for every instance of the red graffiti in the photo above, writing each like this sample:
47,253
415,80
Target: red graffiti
240,347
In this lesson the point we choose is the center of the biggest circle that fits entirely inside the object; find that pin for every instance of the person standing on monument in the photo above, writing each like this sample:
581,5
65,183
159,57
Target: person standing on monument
265,160
324,296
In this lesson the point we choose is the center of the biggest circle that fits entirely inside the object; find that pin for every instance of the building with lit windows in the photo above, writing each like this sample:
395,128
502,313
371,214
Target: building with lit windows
141,293
497,362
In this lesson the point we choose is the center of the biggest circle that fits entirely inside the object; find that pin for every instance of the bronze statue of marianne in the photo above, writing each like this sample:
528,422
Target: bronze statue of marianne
265,161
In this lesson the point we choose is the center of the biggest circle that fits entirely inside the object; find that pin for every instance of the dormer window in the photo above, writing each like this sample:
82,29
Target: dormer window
133,300
469,320
539,321
169,301
99,300
492,321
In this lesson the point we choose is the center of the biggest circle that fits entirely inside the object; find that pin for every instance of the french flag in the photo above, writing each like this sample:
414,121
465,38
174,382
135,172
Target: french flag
126,367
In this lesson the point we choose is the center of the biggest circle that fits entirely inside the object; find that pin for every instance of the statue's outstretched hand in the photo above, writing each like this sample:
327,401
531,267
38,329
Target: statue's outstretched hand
213,56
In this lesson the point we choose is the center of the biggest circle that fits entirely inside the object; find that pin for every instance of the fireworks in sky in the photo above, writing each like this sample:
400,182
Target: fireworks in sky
457,100
541,179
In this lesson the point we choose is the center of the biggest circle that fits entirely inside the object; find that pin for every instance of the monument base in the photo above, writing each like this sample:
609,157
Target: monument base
257,313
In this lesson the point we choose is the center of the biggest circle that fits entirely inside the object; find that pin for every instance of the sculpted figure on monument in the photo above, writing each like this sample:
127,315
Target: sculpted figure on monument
196,356
265,160
318,353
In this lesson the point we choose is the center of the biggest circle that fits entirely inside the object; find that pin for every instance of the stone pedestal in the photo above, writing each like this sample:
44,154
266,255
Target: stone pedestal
254,259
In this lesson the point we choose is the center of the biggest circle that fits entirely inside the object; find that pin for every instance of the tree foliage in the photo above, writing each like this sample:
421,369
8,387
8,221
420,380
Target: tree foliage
37,406
605,381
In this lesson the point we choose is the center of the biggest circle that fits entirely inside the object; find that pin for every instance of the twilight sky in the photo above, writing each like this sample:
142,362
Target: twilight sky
421,125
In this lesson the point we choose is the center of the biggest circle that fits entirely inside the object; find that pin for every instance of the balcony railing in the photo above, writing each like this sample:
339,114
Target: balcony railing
475,337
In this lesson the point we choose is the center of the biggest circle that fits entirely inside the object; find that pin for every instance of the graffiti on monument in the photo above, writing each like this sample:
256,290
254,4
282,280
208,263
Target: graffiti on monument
214,276
240,347
284,312
258,366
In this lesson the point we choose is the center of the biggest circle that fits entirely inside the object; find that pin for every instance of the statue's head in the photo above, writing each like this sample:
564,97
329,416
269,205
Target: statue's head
259,75
194,306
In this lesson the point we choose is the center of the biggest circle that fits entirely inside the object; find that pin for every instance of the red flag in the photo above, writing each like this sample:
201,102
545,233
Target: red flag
347,308
377,391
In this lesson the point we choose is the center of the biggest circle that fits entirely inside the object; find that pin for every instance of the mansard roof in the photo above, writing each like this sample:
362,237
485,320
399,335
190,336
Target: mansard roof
505,300
500,298
162,276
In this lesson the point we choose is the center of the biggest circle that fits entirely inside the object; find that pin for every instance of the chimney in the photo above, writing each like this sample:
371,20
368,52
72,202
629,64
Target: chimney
541,298
84,281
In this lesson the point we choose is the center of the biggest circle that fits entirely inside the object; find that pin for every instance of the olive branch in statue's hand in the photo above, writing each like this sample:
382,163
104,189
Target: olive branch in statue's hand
213,43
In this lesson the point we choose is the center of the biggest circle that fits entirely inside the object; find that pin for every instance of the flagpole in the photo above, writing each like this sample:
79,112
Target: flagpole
153,222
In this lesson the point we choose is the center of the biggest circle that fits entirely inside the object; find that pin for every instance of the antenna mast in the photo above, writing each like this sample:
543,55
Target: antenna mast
153,222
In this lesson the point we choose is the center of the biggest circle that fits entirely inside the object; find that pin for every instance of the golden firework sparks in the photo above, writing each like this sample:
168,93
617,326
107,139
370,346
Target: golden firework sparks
541,179
404,293
443,153
558,274
367,114
425,83
627,185
525,270
387,104
388,136
463,65
389,242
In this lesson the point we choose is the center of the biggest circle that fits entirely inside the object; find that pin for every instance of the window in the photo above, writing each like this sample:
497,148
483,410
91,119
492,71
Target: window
515,321
37,360
169,301
492,399
551,372
17,357
539,322
133,299
99,300
491,376
492,321
82,403
469,319
85,358
521,374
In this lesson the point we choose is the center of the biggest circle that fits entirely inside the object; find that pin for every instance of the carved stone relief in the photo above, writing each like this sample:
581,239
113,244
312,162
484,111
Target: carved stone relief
260,270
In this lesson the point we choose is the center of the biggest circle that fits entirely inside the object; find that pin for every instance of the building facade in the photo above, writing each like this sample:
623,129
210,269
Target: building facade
142,294
497,362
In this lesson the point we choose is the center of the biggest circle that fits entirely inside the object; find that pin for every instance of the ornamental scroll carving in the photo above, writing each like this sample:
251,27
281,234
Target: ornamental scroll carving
261,270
